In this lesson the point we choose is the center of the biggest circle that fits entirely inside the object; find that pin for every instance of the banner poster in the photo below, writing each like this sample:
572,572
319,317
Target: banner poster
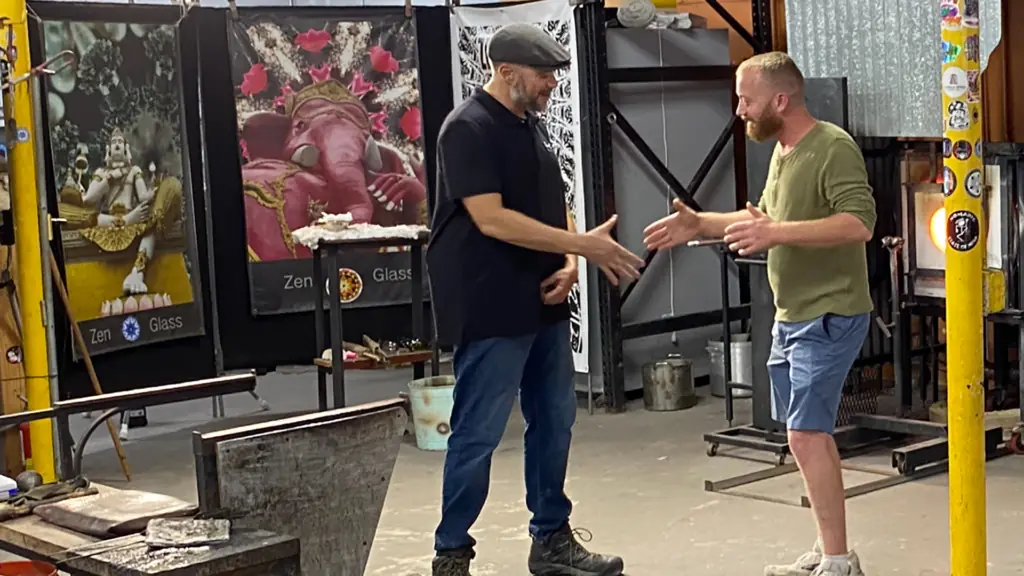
116,134
472,28
329,122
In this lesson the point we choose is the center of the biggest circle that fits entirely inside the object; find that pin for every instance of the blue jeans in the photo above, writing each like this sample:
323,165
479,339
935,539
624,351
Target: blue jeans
808,366
488,374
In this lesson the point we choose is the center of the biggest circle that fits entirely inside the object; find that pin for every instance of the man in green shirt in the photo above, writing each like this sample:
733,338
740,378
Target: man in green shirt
815,215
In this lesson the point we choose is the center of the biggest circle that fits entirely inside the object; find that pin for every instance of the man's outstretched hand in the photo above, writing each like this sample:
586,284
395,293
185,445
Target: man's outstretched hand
616,262
752,236
674,229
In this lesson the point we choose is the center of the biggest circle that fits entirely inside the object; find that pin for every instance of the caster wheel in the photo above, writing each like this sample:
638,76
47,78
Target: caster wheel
712,450
780,459
1016,443
904,469
264,405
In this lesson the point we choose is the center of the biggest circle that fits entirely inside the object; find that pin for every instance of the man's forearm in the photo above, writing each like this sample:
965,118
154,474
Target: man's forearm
836,230
713,224
517,228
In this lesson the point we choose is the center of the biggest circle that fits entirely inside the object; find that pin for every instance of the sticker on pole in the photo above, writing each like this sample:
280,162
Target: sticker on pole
954,82
973,183
22,135
973,87
950,52
958,118
962,150
972,48
970,13
947,147
948,181
950,14
962,230
977,148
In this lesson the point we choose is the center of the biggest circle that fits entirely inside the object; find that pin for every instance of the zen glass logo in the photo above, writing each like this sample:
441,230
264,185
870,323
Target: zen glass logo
130,329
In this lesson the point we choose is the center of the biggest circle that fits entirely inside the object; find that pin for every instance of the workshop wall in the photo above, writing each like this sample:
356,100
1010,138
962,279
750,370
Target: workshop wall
680,122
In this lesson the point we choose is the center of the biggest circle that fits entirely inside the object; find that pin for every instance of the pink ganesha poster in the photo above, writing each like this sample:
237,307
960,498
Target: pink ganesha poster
329,122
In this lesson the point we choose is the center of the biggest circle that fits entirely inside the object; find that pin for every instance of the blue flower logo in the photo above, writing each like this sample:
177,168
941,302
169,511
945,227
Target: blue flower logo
130,329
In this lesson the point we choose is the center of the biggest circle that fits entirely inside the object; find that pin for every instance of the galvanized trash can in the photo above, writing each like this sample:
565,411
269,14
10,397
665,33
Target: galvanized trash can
742,365
668,384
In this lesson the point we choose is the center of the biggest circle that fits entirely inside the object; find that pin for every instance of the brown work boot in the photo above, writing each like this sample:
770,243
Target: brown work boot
803,566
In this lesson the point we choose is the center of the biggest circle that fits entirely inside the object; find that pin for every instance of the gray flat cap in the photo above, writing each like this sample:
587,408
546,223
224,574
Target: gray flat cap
527,45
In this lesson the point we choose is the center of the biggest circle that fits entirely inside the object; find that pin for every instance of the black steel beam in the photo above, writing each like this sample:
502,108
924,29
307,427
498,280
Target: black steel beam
682,322
695,183
736,26
598,178
670,74
761,10
616,118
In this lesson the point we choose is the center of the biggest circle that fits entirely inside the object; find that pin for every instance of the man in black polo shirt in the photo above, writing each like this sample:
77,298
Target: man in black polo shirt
501,260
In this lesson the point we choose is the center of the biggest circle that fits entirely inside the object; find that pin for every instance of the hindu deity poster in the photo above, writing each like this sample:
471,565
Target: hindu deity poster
329,123
115,131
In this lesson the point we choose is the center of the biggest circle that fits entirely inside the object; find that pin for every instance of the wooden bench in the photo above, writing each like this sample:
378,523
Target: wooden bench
248,553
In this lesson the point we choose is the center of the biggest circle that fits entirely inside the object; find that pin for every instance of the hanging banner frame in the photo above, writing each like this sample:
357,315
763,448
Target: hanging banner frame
344,72
471,29
164,300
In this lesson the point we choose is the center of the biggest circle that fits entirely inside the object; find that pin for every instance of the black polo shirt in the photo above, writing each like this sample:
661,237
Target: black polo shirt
482,287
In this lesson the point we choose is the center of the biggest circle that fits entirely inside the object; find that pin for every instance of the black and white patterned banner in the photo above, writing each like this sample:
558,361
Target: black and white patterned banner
472,29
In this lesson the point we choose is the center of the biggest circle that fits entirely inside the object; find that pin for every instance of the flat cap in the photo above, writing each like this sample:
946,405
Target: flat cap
527,45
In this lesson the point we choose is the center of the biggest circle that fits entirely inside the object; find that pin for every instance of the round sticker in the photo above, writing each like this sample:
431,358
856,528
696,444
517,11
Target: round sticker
947,147
977,148
958,117
14,354
962,230
962,150
954,82
948,181
973,183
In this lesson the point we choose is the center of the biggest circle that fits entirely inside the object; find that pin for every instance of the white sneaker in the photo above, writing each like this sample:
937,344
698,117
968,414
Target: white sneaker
804,565
831,568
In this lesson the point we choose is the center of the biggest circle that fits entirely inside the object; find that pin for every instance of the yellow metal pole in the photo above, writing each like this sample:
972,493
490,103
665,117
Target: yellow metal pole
965,253
28,249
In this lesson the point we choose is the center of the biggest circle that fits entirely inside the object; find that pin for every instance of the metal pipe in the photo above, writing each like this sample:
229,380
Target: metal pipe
965,253
45,233
726,333
17,104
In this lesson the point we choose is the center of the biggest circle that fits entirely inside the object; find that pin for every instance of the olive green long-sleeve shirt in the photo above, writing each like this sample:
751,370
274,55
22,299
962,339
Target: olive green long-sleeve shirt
823,175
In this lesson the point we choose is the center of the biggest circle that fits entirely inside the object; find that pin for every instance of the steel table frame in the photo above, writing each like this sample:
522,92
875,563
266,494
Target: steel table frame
326,255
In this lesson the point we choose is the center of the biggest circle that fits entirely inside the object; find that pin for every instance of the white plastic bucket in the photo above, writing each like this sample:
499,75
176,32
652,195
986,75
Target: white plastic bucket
431,400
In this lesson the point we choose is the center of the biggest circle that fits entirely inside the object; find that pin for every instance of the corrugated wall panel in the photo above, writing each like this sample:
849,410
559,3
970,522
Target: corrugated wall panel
891,53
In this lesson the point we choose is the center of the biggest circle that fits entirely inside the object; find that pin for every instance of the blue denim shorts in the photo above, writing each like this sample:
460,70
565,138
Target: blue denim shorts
808,365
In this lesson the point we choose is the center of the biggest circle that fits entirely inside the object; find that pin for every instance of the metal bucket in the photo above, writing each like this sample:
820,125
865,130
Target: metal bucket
668,384
742,365
431,401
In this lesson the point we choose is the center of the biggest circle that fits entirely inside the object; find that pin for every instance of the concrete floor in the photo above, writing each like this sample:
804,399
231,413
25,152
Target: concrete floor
637,483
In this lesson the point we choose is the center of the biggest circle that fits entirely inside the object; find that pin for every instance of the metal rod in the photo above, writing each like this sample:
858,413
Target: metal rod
76,462
726,334
337,351
318,319
416,255
44,244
